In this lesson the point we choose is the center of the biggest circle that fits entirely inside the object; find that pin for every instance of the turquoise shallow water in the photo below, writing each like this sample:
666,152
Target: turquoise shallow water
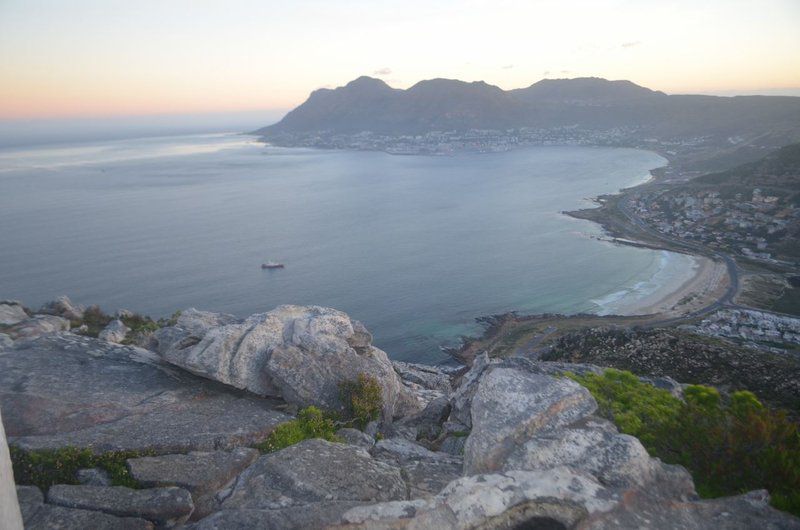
415,247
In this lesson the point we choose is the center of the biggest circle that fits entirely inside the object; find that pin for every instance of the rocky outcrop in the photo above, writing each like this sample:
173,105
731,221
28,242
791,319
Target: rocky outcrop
507,444
63,307
67,390
297,353
36,326
11,312
115,332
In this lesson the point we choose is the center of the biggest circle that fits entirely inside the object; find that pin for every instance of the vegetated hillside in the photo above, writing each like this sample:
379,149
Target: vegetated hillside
780,169
688,358
368,104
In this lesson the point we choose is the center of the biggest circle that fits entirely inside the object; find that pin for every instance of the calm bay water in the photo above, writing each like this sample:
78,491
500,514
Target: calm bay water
415,247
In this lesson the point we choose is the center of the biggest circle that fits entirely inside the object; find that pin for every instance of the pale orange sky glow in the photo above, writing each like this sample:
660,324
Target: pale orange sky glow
102,58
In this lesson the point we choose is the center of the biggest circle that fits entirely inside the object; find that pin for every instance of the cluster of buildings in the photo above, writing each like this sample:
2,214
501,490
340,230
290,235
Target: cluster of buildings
755,327
480,140
749,224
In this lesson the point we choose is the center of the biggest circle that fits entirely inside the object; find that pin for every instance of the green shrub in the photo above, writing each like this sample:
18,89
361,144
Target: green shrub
730,446
94,319
140,326
171,321
362,398
311,422
45,468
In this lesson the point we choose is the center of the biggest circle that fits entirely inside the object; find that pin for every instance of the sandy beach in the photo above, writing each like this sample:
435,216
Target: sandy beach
707,283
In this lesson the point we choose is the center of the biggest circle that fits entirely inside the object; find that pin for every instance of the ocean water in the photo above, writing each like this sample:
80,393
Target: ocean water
416,247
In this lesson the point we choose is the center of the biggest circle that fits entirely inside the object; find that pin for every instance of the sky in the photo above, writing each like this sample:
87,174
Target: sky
101,58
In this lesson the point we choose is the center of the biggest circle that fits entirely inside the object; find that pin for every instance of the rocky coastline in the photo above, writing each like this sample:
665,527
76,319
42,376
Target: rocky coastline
180,415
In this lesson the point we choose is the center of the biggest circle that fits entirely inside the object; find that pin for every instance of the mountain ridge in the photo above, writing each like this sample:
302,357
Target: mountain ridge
370,104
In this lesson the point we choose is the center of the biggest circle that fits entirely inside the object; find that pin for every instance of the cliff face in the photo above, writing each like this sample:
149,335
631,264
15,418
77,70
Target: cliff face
504,445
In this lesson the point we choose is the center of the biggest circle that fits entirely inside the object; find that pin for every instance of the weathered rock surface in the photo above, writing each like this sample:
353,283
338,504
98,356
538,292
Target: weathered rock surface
461,398
512,406
315,471
166,507
63,307
203,474
115,332
430,377
356,437
62,390
39,516
298,353
555,498
36,326
11,313
308,517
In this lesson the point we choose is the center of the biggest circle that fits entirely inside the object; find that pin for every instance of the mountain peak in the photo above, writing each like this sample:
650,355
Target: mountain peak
367,82
583,89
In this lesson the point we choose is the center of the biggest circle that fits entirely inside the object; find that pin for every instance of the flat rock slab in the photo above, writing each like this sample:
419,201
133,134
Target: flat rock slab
315,471
166,507
198,472
39,516
67,390
203,474
310,516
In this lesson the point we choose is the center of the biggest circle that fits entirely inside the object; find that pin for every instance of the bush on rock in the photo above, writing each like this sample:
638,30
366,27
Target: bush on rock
311,422
729,445
362,399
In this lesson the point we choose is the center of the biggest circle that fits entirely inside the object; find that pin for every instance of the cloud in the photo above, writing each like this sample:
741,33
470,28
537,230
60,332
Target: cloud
507,67
382,71
631,44
546,73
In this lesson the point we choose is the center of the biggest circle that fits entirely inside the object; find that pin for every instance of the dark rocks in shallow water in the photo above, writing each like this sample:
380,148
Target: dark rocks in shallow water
166,507
40,516
67,390
203,474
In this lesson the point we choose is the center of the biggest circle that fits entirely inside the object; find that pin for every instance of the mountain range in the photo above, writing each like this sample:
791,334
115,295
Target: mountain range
369,104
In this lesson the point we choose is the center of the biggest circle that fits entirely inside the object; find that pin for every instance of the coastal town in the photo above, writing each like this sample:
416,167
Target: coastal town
753,224
488,140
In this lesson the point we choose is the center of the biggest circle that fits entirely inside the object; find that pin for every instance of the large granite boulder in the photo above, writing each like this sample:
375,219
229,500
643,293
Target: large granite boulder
115,331
11,312
512,406
63,307
62,390
36,326
461,398
298,353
